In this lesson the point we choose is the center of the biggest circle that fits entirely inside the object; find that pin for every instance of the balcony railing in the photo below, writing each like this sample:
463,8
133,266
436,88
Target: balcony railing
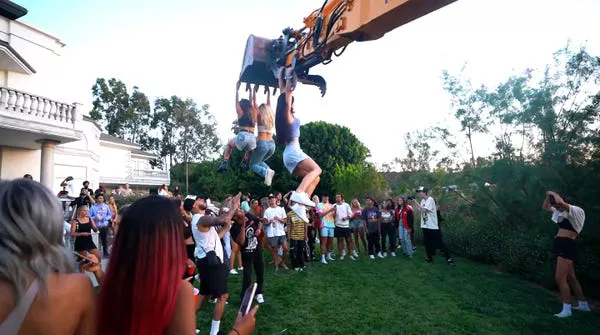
150,173
36,108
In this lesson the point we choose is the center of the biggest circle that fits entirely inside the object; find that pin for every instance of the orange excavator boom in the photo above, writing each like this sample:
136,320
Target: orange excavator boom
326,32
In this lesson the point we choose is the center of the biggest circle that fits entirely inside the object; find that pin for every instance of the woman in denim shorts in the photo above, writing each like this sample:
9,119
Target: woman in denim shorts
294,159
245,139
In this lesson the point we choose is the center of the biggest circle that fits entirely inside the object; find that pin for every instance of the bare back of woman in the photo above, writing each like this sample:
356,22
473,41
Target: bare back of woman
68,307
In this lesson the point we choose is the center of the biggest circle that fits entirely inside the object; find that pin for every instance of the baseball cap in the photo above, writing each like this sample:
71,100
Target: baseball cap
421,189
271,196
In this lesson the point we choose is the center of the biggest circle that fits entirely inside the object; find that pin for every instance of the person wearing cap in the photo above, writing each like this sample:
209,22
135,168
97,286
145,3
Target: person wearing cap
430,226
570,220
213,278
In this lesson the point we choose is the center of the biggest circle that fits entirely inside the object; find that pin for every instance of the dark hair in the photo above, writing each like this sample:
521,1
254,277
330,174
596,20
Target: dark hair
340,194
282,127
245,104
188,204
552,200
145,269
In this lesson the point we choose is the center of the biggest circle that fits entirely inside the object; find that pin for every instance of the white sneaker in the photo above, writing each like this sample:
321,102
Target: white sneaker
380,255
260,299
352,257
302,198
233,272
269,177
582,307
241,268
342,257
385,254
300,210
354,253
563,314
330,258
372,256
393,254
323,261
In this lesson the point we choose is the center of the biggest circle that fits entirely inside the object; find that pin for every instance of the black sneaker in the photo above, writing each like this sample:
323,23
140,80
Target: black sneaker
224,166
428,260
451,262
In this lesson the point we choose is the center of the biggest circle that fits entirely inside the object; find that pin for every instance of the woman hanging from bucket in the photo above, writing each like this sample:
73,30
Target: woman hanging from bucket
294,159
245,140
265,146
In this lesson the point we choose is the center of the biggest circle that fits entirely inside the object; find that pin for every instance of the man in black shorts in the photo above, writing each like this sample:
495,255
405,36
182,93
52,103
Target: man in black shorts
209,249
342,232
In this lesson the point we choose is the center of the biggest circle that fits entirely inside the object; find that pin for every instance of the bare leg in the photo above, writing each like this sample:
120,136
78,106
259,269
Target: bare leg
340,243
574,284
323,246
310,172
355,232
362,237
275,257
284,256
220,307
562,270
228,149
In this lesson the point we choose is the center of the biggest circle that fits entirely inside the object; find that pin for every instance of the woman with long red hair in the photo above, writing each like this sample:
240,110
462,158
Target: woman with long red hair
142,291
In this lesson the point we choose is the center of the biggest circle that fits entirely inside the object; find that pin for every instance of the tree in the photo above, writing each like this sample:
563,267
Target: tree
187,133
359,181
331,145
121,114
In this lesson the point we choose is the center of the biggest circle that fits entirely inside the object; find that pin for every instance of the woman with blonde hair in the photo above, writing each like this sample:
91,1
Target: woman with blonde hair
40,293
357,225
265,146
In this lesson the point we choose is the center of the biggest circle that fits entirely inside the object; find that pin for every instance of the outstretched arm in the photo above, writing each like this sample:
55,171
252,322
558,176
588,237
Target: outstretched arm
285,86
254,113
238,107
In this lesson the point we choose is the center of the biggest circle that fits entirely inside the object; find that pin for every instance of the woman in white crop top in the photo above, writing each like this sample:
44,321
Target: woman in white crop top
265,146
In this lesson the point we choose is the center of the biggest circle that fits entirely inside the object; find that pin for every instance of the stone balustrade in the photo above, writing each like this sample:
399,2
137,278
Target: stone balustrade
36,107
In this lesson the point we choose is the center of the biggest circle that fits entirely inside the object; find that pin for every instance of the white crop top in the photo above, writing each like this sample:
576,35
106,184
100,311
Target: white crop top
263,129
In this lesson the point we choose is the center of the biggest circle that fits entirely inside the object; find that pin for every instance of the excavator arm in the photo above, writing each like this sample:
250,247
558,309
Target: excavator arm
327,31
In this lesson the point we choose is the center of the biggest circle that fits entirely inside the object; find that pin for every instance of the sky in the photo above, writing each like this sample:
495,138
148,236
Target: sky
379,89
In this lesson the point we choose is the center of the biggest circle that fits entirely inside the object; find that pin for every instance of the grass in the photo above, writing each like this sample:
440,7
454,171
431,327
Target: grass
401,296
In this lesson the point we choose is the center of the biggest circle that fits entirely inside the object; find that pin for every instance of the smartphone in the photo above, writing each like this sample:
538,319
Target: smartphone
248,298
89,260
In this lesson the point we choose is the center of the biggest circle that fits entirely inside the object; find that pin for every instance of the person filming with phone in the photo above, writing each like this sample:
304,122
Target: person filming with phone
570,220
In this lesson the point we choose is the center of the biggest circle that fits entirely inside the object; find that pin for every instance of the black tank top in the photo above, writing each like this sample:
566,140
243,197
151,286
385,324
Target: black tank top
566,224
187,231
245,120
83,227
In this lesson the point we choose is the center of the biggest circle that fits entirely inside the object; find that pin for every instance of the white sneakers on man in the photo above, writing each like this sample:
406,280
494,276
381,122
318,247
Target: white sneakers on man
302,198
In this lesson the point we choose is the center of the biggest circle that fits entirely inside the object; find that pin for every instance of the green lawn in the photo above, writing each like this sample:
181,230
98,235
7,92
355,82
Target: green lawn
402,296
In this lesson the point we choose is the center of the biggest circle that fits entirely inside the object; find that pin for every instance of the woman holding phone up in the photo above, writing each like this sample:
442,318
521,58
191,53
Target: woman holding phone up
570,220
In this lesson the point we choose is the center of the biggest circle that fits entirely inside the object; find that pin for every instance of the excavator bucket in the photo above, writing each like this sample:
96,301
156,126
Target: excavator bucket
259,66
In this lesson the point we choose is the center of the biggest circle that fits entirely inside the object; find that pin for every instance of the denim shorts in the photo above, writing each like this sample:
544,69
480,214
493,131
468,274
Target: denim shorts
327,231
245,140
293,155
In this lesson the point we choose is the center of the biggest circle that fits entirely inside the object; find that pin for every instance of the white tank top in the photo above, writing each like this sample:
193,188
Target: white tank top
263,129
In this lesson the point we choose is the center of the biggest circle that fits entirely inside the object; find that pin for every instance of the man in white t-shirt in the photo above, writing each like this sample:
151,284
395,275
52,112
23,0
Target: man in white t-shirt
213,279
432,238
343,213
274,221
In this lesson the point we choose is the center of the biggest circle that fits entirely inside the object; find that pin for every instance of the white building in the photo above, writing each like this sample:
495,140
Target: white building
47,137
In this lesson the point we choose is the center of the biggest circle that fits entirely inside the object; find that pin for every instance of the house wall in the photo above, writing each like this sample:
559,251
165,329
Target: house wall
42,52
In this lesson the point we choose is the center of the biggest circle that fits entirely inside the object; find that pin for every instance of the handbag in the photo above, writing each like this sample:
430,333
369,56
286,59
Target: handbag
211,258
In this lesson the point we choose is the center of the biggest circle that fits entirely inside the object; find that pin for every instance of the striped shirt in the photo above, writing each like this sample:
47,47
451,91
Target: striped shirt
297,227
